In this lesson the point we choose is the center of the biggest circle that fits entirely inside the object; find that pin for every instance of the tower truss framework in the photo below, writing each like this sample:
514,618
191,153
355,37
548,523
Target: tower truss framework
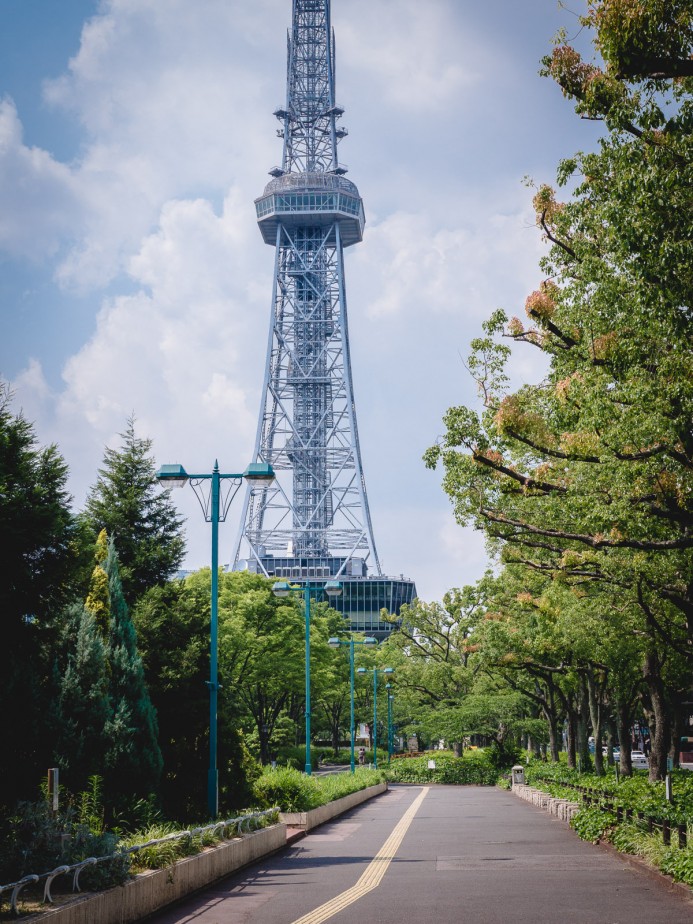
314,521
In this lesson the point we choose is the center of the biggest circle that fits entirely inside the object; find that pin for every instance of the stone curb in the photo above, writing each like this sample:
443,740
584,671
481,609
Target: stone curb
560,808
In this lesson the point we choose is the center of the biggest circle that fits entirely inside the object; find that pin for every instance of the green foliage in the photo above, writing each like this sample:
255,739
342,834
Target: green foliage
288,788
293,791
474,769
583,483
35,840
592,823
137,514
172,624
38,570
133,759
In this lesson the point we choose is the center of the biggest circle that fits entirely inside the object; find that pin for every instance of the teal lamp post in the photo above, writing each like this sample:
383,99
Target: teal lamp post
335,643
284,589
375,671
390,700
215,504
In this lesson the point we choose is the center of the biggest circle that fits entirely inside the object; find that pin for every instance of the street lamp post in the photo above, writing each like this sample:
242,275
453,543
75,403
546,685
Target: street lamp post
215,506
283,589
375,671
390,698
335,643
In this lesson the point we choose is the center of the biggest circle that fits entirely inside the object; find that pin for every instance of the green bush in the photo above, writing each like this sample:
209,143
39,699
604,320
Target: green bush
288,788
593,822
293,791
35,840
473,769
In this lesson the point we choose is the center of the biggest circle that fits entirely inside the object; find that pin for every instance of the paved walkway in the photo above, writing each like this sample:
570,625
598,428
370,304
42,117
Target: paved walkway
444,854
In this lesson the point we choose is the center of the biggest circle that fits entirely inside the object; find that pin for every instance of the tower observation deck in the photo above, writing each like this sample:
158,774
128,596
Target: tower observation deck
313,524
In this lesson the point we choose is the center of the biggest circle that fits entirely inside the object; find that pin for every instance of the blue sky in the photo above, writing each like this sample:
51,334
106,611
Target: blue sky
134,136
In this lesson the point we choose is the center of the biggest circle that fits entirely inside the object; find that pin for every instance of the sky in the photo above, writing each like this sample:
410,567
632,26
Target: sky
134,137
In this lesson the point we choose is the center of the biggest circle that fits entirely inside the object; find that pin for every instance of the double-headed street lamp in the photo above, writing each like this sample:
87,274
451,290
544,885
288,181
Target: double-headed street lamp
375,671
335,643
215,506
283,589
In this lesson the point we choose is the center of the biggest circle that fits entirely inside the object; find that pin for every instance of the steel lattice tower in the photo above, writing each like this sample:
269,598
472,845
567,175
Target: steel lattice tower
315,521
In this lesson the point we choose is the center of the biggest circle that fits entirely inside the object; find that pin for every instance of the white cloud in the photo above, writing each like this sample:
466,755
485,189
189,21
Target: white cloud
39,197
416,266
412,55
167,111
178,352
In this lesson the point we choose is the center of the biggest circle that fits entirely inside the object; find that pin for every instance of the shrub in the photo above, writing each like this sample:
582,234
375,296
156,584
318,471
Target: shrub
288,788
470,770
593,822
292,791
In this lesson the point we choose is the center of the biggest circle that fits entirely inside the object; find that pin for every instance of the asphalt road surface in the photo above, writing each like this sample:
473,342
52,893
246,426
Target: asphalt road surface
439,854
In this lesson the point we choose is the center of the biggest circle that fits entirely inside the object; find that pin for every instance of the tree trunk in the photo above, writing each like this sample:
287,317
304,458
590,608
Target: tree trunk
552,720
583,728
624,714
660,735
457,748
595,706
678,726
572,738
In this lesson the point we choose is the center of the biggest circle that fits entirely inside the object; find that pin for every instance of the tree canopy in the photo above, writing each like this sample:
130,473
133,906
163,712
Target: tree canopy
586,476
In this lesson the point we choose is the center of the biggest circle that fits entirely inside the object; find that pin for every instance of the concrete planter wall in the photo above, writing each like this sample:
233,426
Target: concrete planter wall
319,816
149,892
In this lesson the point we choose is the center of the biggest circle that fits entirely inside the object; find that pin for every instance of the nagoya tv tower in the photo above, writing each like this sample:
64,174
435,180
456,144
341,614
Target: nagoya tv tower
313,524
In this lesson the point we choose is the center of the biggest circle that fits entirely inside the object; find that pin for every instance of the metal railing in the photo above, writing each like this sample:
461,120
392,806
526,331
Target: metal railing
218,829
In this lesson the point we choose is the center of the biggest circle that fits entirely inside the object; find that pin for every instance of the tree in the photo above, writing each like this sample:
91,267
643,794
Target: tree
40,552
36,525
262,649
172,623
137,514
133,759
82,704
588,475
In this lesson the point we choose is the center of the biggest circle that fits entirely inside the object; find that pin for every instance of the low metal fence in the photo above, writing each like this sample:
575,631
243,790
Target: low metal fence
252,821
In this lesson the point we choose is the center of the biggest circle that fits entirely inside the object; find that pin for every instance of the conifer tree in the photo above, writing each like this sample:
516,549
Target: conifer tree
102,720
36,573
137,514
82,702
133,759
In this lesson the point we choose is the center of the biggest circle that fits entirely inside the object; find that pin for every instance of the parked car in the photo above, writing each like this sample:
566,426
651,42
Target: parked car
638,760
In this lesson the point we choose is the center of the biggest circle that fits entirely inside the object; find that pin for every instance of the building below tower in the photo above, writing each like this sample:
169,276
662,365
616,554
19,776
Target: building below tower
363,596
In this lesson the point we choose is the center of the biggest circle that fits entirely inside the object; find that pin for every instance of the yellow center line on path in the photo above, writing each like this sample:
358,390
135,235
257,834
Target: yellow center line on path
374,872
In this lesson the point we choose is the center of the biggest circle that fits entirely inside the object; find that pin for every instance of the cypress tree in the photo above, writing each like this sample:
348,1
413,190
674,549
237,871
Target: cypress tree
82,703
133,759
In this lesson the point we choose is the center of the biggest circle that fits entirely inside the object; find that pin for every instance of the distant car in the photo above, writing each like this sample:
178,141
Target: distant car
638,760
616,752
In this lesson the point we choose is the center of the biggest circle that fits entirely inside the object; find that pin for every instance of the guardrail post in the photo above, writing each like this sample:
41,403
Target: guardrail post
683,835
47,897
666,832
27,880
